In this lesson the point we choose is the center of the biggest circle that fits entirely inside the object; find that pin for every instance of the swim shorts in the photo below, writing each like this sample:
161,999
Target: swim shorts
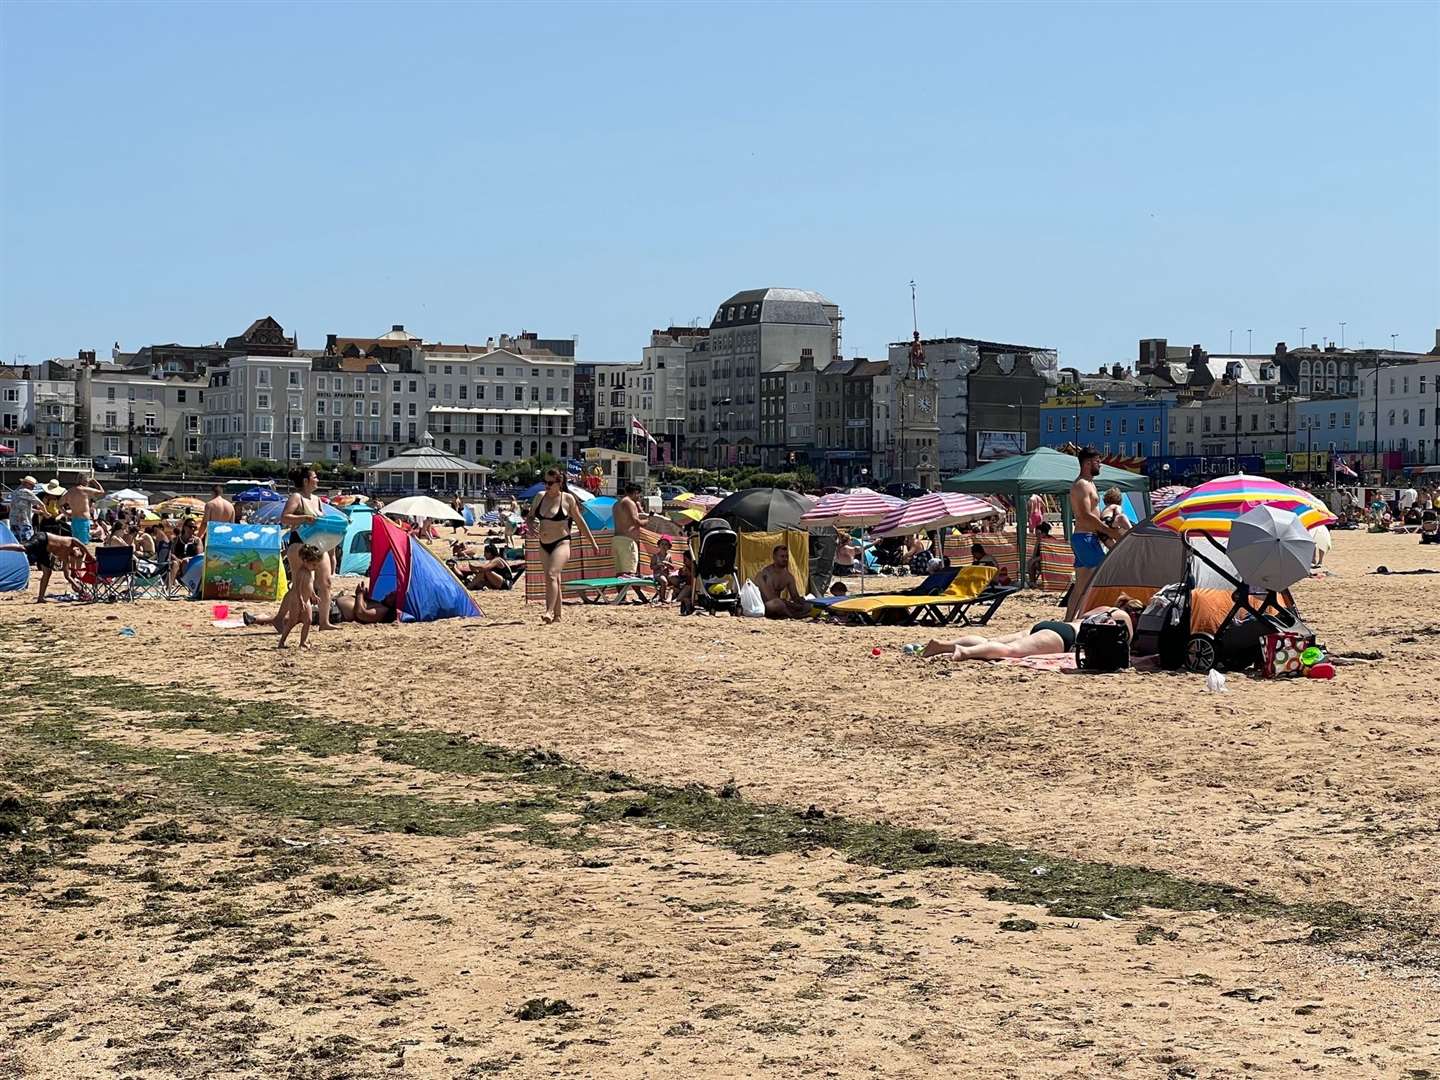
80,529
1089,552
627,556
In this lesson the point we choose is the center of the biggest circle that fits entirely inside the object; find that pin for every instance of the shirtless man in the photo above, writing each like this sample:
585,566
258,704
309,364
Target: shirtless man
776,583
218,508
630,517
1088,528
45,551
78,499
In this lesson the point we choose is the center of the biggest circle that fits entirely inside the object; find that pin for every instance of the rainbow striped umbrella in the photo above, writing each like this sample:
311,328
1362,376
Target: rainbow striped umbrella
1213,505
937,510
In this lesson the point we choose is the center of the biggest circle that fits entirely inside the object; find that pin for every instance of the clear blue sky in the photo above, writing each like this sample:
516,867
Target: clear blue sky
1070,175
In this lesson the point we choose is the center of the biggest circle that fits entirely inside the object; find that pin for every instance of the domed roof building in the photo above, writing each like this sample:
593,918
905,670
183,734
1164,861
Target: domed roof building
756,336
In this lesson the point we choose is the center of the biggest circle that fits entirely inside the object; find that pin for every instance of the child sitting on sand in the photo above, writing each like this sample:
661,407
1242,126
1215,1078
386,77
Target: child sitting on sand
301,606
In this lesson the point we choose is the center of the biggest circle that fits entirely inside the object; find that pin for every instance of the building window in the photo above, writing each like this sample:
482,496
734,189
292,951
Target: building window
1108,423
412,410
262,401
1140,425
262,449
319,406
519,393
1090,425
180,394
430,393
519,449
480,392
320,429
262,378
359,408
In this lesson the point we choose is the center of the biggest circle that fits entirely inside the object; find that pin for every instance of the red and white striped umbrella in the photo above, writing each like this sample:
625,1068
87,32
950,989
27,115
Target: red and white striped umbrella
858,506
937,510
1163,497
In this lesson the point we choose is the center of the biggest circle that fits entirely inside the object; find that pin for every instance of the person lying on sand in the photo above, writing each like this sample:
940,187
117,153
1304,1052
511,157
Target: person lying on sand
1047,637
357,609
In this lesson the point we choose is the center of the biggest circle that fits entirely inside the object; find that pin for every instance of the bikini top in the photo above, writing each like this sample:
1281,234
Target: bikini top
560,513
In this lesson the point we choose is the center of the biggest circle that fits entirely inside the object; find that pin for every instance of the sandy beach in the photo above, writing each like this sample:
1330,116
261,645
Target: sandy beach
635,844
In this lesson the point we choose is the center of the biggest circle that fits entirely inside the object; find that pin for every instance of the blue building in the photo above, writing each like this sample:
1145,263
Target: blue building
1135,429
1328,424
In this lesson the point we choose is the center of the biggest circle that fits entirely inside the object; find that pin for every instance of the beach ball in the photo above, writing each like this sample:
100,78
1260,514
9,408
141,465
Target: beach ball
326,531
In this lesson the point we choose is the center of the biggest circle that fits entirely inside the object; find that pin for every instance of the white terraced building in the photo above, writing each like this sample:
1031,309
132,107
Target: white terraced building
500,403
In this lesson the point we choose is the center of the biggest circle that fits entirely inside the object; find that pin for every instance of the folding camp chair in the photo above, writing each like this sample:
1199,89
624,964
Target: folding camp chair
114,574
156,586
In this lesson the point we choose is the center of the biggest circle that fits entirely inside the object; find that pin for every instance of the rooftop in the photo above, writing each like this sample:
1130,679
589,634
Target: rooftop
800,307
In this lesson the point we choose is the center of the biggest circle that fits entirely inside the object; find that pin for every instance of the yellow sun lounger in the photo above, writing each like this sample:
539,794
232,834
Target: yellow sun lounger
972,586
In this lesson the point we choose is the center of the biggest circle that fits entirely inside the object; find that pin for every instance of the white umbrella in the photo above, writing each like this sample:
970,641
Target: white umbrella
1270,548
126,495
418,506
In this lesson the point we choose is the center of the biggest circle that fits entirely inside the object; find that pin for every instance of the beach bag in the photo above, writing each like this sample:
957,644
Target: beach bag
1282,654
1162,629
751,603
1102,646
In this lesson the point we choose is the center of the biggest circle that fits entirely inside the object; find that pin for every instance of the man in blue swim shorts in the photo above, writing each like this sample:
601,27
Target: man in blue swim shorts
1088,528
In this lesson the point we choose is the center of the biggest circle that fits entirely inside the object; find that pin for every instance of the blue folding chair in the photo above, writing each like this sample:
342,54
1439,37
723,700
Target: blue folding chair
114,574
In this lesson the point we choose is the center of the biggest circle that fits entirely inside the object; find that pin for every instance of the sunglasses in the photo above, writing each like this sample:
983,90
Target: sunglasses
552,480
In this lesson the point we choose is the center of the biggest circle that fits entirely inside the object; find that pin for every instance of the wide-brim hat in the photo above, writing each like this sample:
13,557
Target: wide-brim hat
28,480
53,488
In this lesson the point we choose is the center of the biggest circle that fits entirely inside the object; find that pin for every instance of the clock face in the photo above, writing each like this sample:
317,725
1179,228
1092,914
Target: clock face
924,404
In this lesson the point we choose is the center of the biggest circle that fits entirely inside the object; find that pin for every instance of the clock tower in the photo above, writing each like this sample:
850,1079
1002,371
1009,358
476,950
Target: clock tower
917,423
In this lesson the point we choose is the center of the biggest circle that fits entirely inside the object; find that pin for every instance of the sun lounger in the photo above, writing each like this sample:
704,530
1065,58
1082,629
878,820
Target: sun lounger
970,587
596,590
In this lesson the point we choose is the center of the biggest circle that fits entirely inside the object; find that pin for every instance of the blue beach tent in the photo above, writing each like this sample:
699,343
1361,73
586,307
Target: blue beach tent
14,566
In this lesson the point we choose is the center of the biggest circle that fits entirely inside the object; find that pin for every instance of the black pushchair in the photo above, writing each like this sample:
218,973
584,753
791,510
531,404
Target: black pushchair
717,574
1238,642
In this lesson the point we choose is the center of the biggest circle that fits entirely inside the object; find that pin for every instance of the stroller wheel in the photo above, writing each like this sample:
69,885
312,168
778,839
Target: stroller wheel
1200,654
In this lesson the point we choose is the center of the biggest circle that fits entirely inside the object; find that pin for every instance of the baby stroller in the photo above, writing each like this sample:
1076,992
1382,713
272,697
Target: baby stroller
717,577
1429,527
1238,642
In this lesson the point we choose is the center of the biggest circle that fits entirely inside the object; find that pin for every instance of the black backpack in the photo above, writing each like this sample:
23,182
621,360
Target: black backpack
1102,646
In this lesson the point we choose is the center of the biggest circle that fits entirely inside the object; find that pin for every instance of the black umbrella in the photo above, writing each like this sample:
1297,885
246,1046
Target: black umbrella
762,509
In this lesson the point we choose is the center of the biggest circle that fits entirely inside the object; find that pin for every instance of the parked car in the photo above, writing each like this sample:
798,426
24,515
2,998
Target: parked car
112,462
672,491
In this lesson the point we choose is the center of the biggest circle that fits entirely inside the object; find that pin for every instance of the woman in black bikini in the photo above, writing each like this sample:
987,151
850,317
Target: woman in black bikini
551,516
301,508
1044,638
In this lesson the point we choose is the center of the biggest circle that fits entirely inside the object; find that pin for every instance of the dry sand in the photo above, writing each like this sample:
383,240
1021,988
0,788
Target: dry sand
273,897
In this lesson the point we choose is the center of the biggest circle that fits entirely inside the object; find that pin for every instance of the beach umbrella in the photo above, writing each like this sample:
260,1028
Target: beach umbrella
686,515
1162,498
418,506
858,506
1270,548
1213,506
5,451
937,510
185,504
126,496
761,509
599,512
259,494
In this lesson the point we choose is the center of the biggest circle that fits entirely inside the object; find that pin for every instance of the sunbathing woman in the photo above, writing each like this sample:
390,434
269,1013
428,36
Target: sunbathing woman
1047,637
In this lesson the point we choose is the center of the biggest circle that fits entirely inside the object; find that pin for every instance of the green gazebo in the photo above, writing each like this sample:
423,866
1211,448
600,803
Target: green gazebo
1041,472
